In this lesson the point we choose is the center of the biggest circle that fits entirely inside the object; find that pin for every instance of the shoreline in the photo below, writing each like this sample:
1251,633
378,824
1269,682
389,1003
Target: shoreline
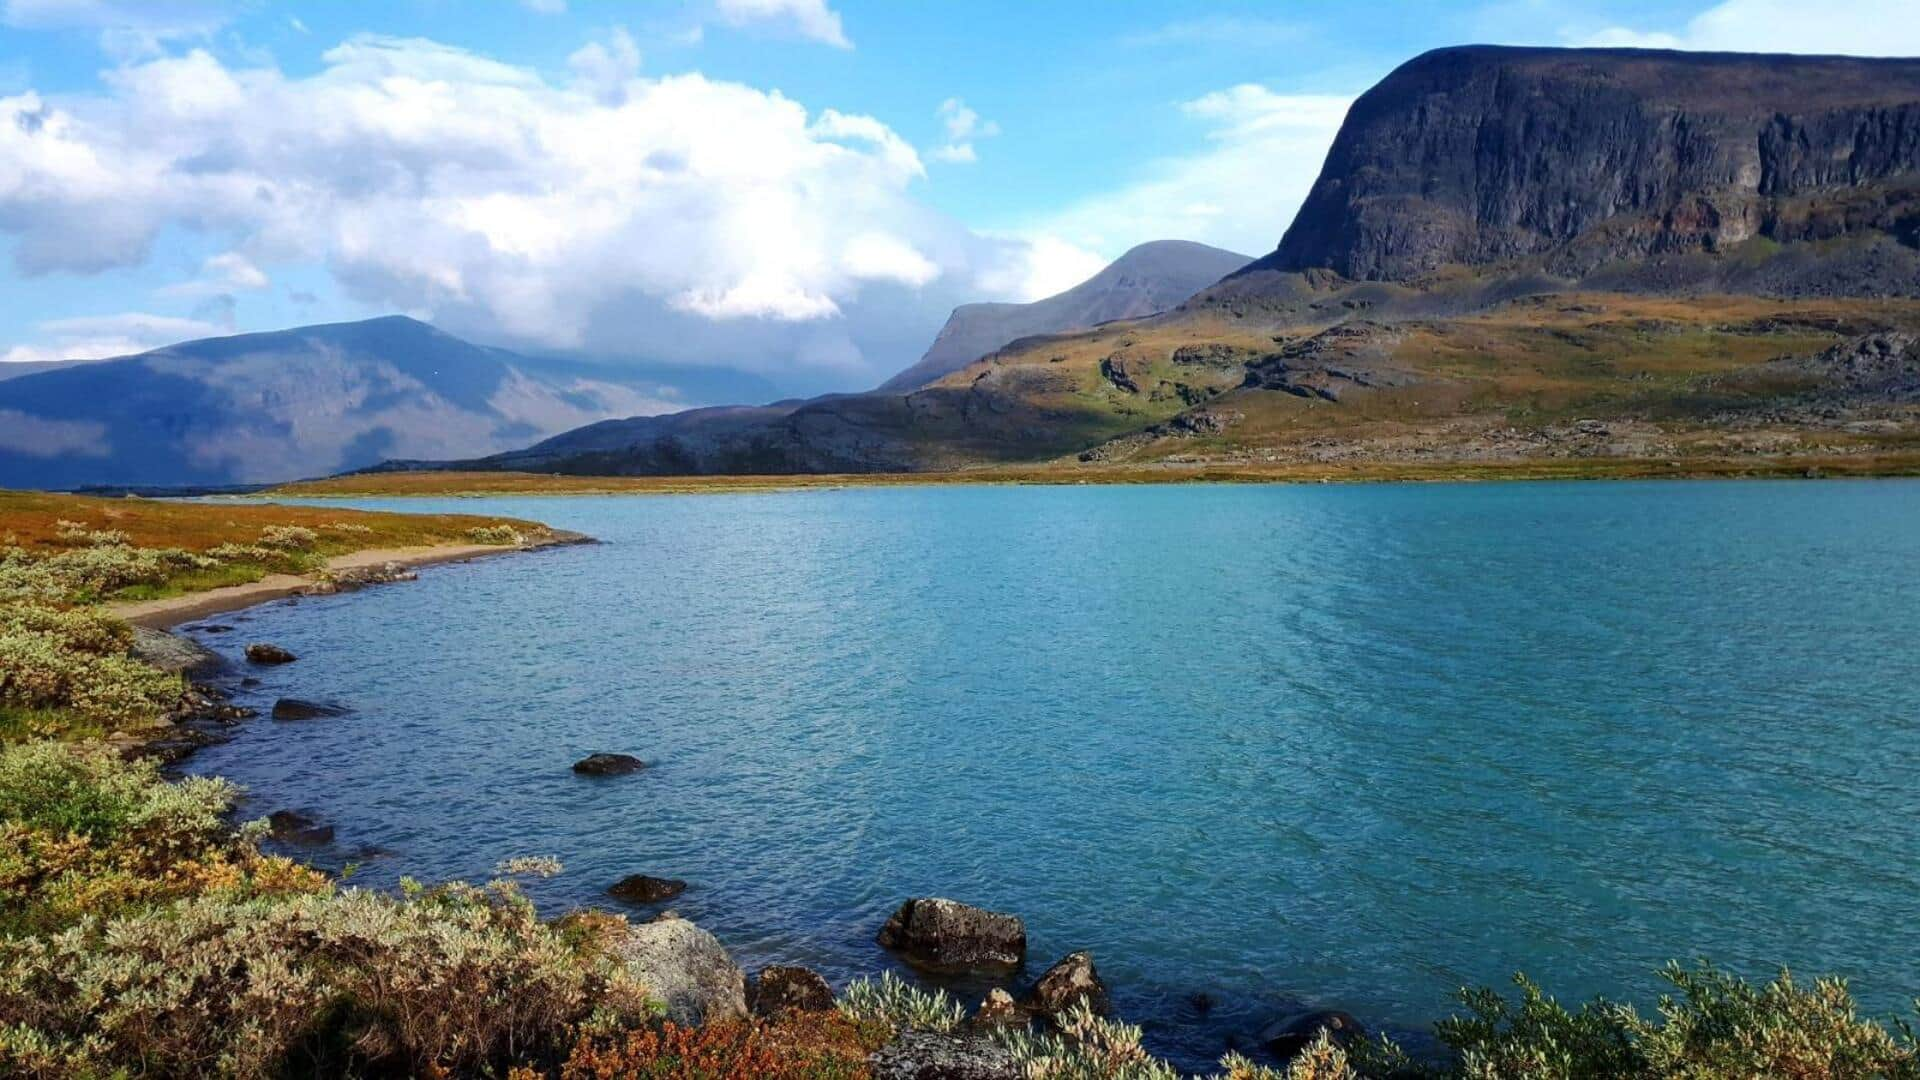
171,611
456,484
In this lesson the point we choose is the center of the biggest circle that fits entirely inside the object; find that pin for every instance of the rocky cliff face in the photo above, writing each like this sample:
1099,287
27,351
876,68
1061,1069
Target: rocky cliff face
1571,160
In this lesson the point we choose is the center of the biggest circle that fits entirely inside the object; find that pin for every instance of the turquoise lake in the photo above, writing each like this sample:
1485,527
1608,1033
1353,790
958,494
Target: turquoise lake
1349,746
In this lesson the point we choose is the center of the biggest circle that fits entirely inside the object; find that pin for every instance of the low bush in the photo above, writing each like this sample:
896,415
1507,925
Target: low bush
900,1005
796,1046
72,665
497,534
289,537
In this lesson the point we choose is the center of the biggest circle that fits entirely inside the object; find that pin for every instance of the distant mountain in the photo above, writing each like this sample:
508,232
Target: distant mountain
1145,281
293,403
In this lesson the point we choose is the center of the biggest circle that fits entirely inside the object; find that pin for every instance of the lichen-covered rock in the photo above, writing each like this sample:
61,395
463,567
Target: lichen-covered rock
1073,979
171,653
922,1055
943,935
685,969
782,988
997,1009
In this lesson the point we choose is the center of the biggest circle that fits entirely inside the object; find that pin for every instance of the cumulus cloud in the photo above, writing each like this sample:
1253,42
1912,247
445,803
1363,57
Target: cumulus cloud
810,19
676,217
1261,153
98,337
963,126
1853,27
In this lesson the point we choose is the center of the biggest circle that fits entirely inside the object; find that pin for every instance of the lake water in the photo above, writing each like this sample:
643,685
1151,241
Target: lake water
1344,746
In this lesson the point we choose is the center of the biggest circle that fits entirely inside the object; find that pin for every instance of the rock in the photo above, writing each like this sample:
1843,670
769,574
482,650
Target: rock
293,827
924,1055
641,889
781,989
608,765
686,970
997,1010
1289,1035
295,709
262,653
1074,979
947,936
210,628
249,682
170,653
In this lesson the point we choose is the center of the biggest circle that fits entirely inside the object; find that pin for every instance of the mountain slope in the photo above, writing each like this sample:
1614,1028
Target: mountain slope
1146,280
292,403
1509,255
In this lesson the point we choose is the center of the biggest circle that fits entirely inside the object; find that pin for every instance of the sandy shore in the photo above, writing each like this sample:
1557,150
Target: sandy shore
173,610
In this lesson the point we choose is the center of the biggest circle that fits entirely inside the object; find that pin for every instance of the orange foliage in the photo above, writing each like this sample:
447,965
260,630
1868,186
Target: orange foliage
798,1046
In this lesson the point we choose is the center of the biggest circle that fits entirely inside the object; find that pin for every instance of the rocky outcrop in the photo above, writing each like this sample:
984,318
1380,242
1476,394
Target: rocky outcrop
294,827
1289,1035
923,1055
171,653
685,969
643,889
1577,158
263,653
783,988
288,708
608,765
942,935
1072,981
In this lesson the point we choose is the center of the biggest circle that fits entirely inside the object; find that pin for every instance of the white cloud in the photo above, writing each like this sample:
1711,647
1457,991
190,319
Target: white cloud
98,337
1240,191
1853,27
1051,265
963,126
677,217
811,19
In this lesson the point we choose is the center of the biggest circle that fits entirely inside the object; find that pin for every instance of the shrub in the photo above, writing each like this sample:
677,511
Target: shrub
497,534
90,573
899,1005
348,527
75,662
289,537
796,1046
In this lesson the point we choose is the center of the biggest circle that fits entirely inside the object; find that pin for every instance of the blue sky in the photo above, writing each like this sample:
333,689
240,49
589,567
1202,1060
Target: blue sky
798,187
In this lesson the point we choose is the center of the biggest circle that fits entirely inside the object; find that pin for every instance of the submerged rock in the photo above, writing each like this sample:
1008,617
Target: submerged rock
642,889
944,935
924,1055
1289,1035
1073,980
608,765
781,989
997,1010
296,709
685,969
263,653
293,827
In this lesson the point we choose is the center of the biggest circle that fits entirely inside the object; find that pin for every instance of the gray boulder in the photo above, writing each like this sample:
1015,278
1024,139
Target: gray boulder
781,989
608,765
686,969
263,653
947,936
923,1055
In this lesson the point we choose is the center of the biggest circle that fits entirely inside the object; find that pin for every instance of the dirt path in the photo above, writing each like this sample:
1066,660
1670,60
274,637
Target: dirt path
174,610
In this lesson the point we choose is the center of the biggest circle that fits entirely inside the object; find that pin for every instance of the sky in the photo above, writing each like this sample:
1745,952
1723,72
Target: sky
798,188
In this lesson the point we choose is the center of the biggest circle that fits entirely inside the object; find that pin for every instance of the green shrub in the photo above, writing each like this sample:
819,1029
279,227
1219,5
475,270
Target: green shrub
497,534
75,662
289,537
901,1005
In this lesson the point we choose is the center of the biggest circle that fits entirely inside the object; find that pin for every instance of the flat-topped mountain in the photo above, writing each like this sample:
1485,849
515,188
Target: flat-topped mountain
1148,279
1574,161
292,403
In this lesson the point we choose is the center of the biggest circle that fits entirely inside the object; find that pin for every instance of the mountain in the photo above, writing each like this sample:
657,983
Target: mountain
1624,163
1510,255
1145,281
292,403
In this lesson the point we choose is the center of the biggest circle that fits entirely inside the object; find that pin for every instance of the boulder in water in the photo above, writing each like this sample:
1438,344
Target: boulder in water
1289,1035
642,889
608,765
947,936
296,709
262,653
294,827
1073,980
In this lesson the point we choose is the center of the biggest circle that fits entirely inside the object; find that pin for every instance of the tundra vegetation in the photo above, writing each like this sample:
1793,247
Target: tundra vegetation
145,934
